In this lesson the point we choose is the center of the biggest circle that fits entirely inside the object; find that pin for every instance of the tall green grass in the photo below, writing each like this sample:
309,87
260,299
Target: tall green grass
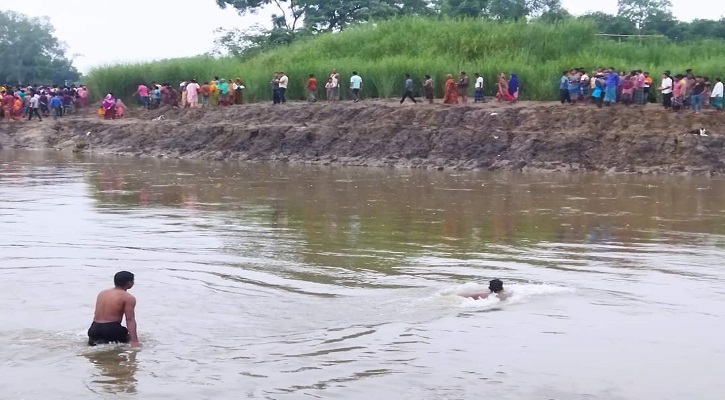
383,52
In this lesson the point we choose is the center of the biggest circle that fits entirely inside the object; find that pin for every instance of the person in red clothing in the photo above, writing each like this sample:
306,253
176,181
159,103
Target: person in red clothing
311,88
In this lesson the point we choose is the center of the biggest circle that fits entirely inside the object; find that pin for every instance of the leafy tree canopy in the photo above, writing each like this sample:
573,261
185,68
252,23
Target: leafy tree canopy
31,54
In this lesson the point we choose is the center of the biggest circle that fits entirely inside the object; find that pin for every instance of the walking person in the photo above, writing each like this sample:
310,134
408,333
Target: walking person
478,88
56,105
428,88
356,83
311,88
408,89
34,107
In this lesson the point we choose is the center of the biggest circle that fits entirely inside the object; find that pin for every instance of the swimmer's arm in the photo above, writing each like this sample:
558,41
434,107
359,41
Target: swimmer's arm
130,312
478,296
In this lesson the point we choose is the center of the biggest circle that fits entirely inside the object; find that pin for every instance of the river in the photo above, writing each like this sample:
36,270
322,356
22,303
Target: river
274,281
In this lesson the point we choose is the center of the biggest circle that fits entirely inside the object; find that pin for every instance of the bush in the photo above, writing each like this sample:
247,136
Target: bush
383,52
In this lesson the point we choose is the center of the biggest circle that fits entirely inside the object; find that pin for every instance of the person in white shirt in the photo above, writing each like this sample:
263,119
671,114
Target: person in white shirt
356,83
283,82
33,107
478,89
666,90
716,96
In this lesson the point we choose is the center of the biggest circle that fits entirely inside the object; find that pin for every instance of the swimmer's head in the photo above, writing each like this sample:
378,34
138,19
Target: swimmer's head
123,279
495,286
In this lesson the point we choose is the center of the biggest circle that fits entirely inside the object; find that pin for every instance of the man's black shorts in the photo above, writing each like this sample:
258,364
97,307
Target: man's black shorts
107,332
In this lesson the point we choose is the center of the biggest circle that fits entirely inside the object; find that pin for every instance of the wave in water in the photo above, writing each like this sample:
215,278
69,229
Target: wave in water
518,293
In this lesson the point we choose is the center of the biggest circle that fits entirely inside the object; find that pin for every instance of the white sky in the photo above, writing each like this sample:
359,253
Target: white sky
144,30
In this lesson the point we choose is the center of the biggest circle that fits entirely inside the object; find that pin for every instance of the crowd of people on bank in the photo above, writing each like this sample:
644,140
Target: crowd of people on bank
606,86
40,100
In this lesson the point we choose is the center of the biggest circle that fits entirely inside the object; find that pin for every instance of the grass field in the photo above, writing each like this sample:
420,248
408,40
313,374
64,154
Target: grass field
383,52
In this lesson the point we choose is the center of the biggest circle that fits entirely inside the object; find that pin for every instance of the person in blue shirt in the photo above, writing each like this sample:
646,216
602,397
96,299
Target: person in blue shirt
408,89
610,95
564,88
57,105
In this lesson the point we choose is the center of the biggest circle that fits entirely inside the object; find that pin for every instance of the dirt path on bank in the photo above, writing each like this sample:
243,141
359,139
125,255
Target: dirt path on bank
524,136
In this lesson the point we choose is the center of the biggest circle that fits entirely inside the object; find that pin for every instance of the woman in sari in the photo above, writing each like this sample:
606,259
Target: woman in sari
17,108
109,107
120,108
451,95
238,87
514,87
223,88
503,88
213,94
627,90
232,92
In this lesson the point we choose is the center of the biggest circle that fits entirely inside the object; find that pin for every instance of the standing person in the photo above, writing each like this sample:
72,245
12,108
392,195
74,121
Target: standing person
678,93
706,95
600,85
428,88
204,91
649,95
17,112
408,89
610,94
213,93
716,96
698,90
182,88
34,107
564,88
451,94
666,89
238,91
231,93
356,83
627,89
463,88
574,85
311,88
112,305
329,90
640,97
335,77
585,85
514,87
478,88
143,93
192,93
223,93
8,99
275,88
56,105
283,83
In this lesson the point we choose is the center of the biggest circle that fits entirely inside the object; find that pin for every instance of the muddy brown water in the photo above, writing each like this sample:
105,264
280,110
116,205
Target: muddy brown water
272,281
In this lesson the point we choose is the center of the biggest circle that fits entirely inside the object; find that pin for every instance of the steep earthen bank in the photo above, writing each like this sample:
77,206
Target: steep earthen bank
526,136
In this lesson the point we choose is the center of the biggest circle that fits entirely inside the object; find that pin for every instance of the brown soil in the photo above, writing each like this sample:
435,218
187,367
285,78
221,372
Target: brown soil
524,136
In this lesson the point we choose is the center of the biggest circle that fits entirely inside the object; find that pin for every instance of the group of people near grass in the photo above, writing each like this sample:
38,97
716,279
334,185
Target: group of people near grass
22,101
606,87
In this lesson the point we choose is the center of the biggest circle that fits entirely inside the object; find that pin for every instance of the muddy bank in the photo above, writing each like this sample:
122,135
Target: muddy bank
526,136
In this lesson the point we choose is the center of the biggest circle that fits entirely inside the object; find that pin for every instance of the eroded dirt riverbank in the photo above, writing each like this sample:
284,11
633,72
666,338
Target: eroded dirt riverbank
525,136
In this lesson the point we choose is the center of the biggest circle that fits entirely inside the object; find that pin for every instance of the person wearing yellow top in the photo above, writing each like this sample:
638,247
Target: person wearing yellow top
648,93
213,94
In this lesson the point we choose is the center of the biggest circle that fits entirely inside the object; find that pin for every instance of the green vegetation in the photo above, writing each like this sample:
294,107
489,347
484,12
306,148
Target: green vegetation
31,54
383,52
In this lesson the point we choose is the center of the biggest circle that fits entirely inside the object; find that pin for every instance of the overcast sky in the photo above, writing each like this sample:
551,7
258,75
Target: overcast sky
102,32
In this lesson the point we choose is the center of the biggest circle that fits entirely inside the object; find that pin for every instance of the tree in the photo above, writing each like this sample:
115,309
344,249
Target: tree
31,54
610,24
463,8
641,11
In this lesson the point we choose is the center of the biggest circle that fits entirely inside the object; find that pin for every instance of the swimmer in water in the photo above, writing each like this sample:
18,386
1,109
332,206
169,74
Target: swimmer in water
111,306
495,286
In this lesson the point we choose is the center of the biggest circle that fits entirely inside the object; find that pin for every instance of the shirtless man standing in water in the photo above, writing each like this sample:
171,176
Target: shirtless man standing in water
495,287
111,306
